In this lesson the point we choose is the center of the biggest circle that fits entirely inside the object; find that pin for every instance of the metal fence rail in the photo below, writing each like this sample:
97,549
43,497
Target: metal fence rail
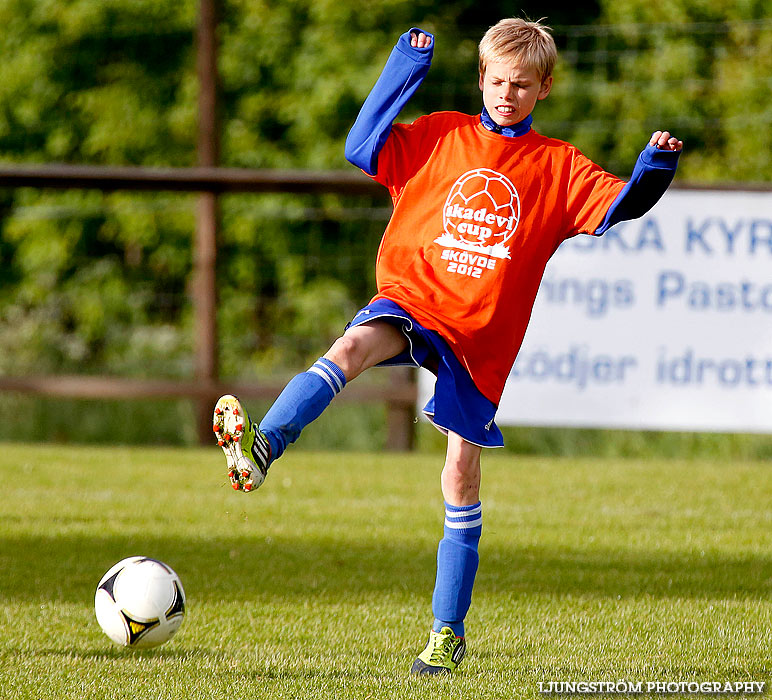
201,179
401,393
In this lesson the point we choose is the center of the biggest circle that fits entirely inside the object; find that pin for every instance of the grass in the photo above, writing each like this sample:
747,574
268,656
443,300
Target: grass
319,584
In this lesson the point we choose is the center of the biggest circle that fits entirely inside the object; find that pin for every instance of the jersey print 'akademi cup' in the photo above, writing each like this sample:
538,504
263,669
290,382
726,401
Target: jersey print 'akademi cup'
476,217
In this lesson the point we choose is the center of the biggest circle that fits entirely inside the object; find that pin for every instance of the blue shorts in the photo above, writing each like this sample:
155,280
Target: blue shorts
457,404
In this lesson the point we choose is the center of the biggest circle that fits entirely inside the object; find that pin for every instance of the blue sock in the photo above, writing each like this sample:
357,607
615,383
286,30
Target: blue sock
301,401
457,561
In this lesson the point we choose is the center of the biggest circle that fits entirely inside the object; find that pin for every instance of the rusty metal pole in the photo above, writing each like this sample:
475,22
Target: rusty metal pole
205,243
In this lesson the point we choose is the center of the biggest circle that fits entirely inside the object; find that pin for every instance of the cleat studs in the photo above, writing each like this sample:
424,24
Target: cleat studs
239,427
235,411
236,485
220,443
247,487
245,474
218,411
216,427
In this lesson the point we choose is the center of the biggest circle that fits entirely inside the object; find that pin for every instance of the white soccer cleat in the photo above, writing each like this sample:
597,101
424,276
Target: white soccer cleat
247,452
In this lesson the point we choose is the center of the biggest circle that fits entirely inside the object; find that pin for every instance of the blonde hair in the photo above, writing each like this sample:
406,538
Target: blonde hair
515,39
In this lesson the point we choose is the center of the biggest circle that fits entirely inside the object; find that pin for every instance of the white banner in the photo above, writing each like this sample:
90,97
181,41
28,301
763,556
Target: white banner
663,323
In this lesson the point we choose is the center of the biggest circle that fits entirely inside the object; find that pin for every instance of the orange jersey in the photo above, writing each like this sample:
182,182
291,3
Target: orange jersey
476,217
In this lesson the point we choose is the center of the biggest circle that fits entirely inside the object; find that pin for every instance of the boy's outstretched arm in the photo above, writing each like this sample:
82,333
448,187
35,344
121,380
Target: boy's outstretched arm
653,173
403,73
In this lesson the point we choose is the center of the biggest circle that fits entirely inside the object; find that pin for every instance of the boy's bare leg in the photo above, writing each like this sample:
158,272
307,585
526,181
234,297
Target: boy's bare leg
364,346
457,559
461,475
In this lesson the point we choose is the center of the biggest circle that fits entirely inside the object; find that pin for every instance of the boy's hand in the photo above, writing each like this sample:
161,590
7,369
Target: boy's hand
419,41
665,142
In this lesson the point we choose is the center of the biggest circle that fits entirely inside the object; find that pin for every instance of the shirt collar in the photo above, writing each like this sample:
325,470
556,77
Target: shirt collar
522,127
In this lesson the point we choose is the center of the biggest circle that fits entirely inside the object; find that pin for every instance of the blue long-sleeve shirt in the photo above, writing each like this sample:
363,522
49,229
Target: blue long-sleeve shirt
403,73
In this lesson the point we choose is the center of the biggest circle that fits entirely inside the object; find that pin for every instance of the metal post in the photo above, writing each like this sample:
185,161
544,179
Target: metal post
205,243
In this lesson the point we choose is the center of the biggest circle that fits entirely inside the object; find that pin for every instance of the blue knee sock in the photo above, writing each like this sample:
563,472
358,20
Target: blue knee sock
302,401
457,561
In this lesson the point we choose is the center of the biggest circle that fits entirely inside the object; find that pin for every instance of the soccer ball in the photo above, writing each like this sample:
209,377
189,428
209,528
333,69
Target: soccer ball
140,603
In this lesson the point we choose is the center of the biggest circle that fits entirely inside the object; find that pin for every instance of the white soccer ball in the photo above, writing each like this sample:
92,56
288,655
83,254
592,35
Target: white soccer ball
140,603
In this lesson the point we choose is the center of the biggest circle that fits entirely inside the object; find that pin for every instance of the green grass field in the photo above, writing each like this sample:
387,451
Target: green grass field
319,584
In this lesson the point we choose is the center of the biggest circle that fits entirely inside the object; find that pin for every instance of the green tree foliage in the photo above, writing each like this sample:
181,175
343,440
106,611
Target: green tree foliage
700,68
92,282
97,81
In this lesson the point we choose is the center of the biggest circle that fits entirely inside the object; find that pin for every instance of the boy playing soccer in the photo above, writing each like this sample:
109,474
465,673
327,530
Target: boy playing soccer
480,204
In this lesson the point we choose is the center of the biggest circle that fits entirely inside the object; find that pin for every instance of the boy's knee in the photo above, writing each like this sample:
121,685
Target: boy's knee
343,346
366,345
461,469
347,352
461,480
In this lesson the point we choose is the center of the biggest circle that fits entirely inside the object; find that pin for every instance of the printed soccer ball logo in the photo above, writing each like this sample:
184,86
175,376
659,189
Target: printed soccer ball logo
482,212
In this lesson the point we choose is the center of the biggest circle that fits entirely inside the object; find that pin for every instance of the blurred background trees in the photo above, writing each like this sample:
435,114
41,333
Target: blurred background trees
98,283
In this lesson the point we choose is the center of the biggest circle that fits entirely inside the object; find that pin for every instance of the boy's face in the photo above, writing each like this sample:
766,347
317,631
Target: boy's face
510,91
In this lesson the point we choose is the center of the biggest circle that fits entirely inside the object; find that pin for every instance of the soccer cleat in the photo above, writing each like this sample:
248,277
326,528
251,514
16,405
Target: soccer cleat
246,449
442,654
